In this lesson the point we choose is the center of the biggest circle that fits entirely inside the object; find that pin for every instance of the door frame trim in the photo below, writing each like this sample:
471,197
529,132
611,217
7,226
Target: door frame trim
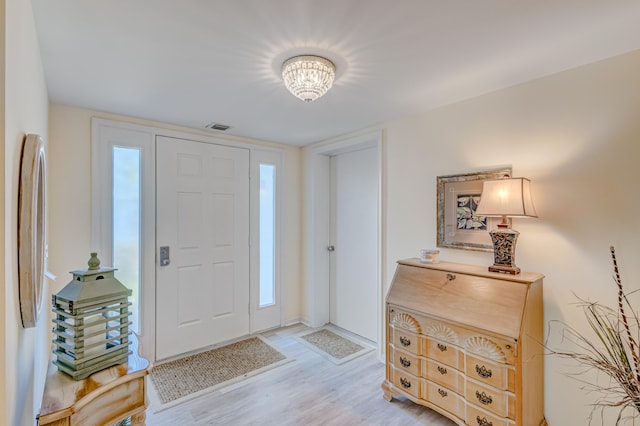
101,210
318,211
102,220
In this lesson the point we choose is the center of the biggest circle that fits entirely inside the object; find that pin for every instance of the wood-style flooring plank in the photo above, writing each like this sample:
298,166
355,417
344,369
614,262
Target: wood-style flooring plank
306,392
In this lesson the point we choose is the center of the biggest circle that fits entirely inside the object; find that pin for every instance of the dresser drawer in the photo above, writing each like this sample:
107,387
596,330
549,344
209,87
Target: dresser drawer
407,382
444,375
446,399
405,340
406,361
445,353
501,403
500,376
478,417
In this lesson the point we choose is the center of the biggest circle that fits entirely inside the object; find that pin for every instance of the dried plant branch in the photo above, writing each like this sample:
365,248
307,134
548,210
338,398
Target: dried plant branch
613,352
633,345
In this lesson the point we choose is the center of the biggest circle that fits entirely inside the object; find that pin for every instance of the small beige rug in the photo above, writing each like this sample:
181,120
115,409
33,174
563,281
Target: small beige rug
337,347
186,378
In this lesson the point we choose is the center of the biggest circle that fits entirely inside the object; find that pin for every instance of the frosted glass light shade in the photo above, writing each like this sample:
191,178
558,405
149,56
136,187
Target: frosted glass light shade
308,77
506,197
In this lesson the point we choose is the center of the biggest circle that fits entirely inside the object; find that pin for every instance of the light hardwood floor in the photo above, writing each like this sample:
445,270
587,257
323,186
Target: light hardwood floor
308,391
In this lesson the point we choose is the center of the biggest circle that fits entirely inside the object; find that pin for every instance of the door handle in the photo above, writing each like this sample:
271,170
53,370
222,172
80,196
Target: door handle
164,256
331,248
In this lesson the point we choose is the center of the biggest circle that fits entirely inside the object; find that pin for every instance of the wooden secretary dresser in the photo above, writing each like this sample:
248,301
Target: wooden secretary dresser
466,343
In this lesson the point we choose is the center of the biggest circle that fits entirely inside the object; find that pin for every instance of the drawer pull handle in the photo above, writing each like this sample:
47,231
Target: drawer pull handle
443,393
451,277
405,362
405,383
483,421
483,371
442,370
404,341
443,348
484,398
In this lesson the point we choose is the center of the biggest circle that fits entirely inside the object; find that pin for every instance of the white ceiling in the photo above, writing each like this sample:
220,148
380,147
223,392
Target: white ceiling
194,62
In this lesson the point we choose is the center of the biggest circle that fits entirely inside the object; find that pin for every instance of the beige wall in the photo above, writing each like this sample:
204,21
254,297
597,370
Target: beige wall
4,168
576,135
70,200
24,352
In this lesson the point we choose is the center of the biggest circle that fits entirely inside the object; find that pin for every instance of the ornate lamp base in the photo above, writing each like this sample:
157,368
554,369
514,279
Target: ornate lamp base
504,250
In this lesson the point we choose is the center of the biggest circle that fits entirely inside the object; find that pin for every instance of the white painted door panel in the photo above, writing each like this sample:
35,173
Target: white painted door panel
354,224
202,295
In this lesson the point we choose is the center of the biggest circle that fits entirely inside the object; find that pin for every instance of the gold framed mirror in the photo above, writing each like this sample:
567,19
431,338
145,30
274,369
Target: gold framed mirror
32,196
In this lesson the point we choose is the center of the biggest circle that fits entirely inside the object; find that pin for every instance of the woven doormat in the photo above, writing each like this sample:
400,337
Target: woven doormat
183,379
335,346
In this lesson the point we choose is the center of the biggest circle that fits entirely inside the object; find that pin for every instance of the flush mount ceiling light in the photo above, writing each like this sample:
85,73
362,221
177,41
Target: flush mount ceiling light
308,77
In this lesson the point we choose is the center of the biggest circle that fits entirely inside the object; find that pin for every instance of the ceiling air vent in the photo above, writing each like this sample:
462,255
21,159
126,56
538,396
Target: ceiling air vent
218,126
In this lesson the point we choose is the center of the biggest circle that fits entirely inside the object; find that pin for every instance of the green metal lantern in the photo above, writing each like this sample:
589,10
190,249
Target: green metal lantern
91,329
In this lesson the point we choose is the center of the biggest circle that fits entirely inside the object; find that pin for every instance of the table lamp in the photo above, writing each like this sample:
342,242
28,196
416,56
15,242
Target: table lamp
506,198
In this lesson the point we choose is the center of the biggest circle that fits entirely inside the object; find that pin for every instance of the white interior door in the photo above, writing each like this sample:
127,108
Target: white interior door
354,236
202,196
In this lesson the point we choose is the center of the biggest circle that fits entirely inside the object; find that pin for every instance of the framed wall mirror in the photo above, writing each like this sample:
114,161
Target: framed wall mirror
31,228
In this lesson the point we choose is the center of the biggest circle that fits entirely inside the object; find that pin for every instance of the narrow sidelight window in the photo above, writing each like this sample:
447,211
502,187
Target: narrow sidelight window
126,223
267,234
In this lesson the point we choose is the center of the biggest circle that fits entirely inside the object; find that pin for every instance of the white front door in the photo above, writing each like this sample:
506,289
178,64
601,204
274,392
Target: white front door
354,236
202,293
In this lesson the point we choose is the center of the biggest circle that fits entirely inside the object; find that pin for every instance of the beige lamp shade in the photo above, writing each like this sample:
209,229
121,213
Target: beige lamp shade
506,197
